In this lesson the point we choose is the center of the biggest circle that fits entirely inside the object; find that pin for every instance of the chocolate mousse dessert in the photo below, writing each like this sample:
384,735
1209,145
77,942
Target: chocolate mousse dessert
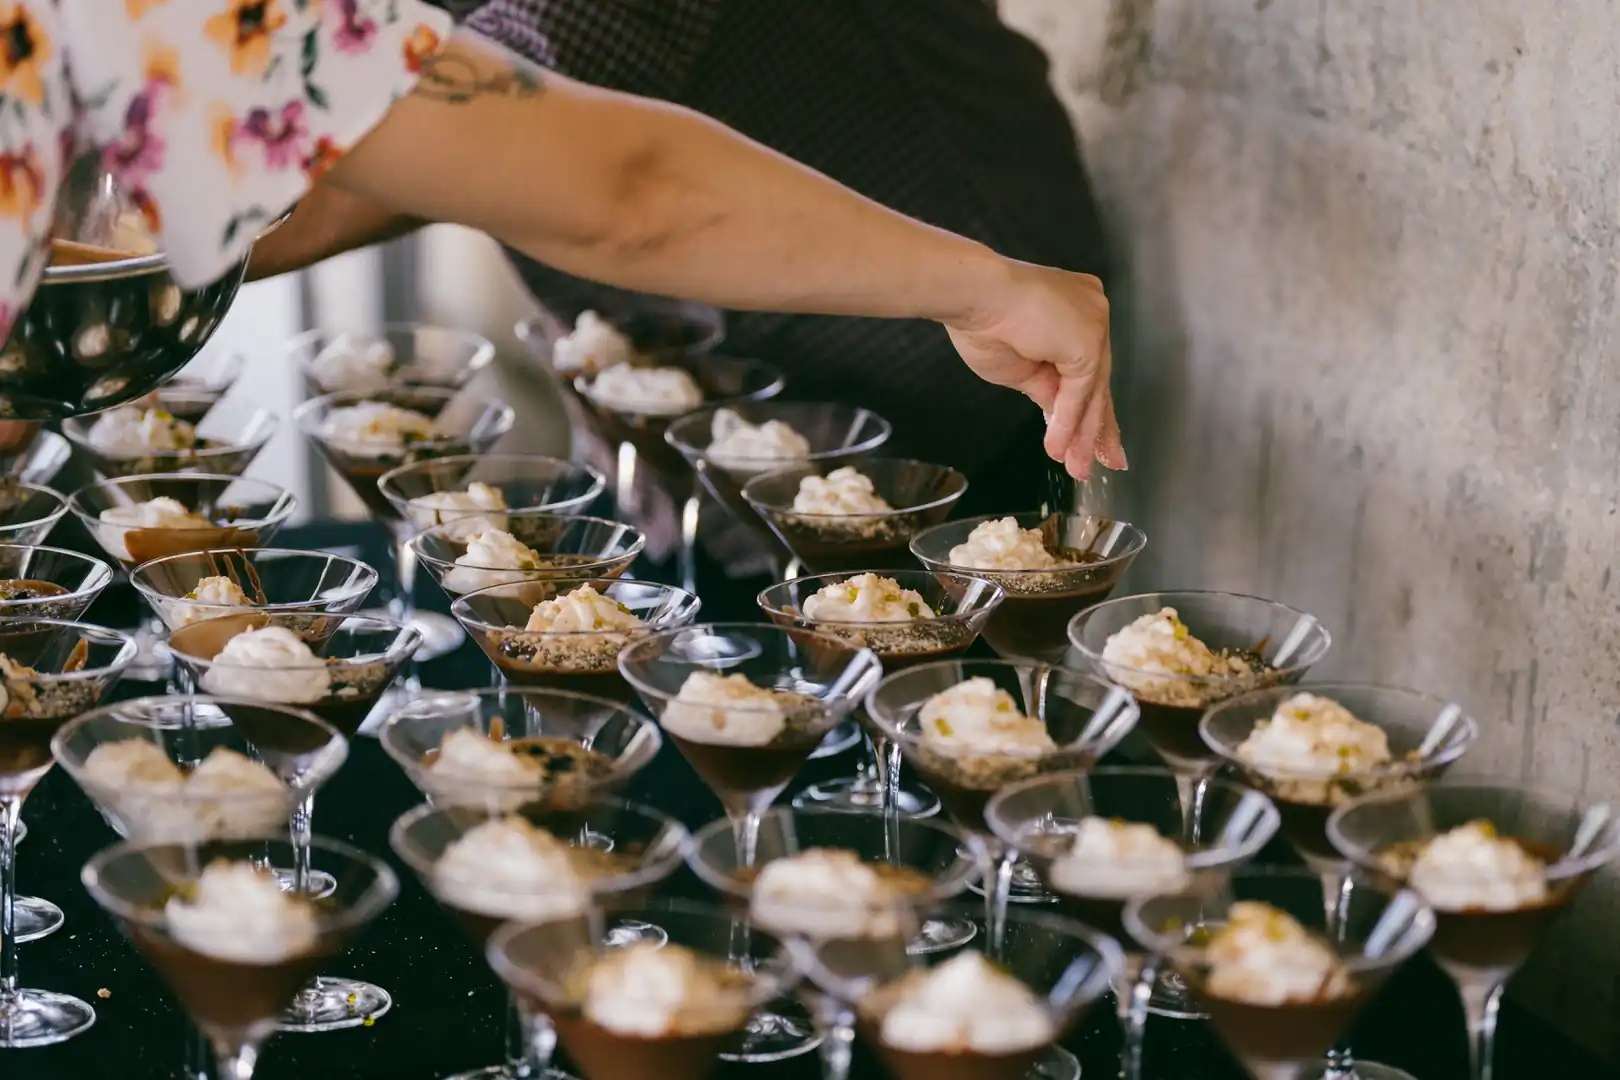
738,451
225,795
855,518
165,526
571,641
497,557
365,438
144,439
558,771
1099,865
875,612
741,738
830,893
963,1020
31,712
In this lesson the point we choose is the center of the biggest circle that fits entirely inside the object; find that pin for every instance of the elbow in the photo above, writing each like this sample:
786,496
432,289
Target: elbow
650,207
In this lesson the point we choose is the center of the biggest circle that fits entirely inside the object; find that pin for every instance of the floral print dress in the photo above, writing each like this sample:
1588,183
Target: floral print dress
215,115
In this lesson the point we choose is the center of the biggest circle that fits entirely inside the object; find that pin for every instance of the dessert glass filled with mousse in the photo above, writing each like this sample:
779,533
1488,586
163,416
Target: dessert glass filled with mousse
1280,986
152,437
533,546
231,943
854,517
403,354
138,518
907,617
38,582
1498,861
568,636
308,592
478,491
645,1011
70,667
1049,566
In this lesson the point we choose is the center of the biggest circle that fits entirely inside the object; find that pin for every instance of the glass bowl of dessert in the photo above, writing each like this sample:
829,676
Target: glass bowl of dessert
141,439
48,583
283,582
230,941
1279,984
534,546
1050,566
509,748
478,490
1179,653
907,617
666,1010
1101,839
854,517
51,672
37,460
487,867
365,434
139,518
1498,861
1001,1016
568,635
402,354
28,512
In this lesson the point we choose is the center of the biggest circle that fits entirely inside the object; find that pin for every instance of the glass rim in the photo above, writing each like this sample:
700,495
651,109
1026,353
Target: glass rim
76,429
298,346
385,482
55,514
994,598
346,591
880,436
760,506
881,714
283,502
305,413
841,704
636,542
102,576
87,630
1134,532
404,643
461,609
584,382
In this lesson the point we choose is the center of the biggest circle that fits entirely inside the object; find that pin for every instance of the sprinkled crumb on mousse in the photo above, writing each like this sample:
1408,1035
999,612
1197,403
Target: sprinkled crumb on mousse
375,429
1314,750
1264,956
1000,544
650,991
581,631
866,598
1160,661
1473,868
976,717
843,501
729,710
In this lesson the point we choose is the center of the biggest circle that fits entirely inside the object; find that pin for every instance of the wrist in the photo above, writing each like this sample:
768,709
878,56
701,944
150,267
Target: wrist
978,288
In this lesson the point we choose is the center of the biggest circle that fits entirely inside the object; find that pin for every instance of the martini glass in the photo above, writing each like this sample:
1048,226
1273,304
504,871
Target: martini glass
1065,965
586,661
462,426
228,449
567,549
416,354
1032,623
1285,641
205,379
73,665
48,583
1481,947
1041,818
28,512
818,681
920,494
234,1000
960,606
525,481
282,582
624,851
1373,933
542,962
1084,718
39,461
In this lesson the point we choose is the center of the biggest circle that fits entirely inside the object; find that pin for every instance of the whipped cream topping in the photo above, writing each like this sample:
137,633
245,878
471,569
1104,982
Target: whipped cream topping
725,710
207,596
1472,868
843,491
269,664
584,610
352,362
1308,739
737,444
651,991
1001,545
1153,656
659,391
130,763
967,1005
375,429
465,754
468,513
594,345
510,869
1119,860
227,794
238,913
1263,956
976,717
160,513
866,598
491,558
825,893
129,432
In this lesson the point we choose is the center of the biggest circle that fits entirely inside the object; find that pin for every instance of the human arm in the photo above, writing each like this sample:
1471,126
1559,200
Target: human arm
327,221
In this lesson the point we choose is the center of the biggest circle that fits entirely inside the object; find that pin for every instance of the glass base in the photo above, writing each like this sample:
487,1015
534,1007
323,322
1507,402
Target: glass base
780,1030
838,740
1026,886
942,935
855,793
1361,1070
1056,1064
626,932
335,1004
441,635
321,884
506,1072
36,918
41,1018
1172,1000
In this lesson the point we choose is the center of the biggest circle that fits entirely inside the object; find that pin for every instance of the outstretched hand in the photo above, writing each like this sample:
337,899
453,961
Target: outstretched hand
1046,336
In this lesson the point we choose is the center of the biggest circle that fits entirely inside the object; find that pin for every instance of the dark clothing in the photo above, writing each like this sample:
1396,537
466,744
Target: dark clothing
932,107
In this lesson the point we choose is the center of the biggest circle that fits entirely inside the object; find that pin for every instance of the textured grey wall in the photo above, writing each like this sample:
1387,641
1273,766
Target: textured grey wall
1372,284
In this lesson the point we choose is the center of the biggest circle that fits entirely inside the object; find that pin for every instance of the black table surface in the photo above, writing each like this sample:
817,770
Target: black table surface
448,1007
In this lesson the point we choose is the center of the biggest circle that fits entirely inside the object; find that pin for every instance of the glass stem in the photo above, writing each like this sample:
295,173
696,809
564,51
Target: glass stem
868,772
530,1042
997,888
1132,995
1481,1001
687,556
10,812
302,837
838,1041
404,605
197,1053
236,1063
886,759
1192,785
745,829
1336,889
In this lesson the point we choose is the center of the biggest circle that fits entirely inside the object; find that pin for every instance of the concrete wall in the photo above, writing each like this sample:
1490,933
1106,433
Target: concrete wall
1372,276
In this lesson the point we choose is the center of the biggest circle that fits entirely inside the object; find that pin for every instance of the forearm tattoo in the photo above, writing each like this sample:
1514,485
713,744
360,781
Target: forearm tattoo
458,79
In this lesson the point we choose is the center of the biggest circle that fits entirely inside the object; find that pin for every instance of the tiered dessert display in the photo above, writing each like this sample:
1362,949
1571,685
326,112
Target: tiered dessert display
398,355
364,434
746,705
232,944
854,517
28,512
1179,653
646,1010
69,666
1497,861
907,617
1050,568
534,546
1104,838
279,582
487,866
157,437
568,635
1279,984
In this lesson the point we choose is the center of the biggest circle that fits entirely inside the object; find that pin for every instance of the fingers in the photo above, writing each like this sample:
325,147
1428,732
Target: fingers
1042,388
1082,450
1110,448
1065,419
